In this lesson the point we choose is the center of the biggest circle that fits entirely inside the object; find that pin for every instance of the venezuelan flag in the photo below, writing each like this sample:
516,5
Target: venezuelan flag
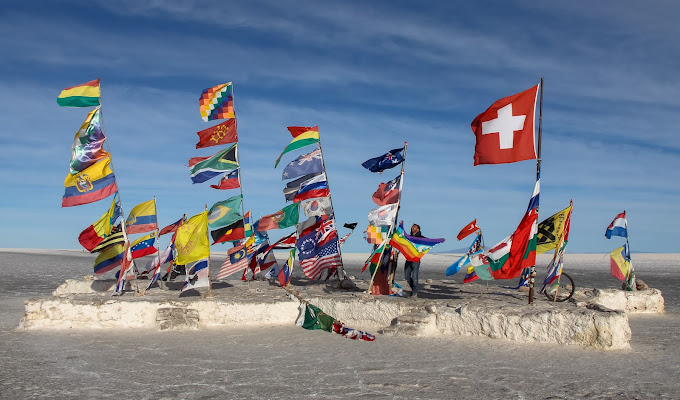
109,259
92,184
84,95
413,248
144,246
142,218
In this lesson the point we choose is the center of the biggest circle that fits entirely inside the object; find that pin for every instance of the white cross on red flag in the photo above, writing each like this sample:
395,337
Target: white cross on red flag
505,131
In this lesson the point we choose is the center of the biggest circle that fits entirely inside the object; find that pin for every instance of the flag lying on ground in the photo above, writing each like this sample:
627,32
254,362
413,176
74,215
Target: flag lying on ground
223,133
144,246
377,234
217,164
468,229
315,319
191,240
217,102
293,186
236,261
225,212
94,183
142,218
388,160
229,180
310,163
88,143
318,206
116,237
197,275
517,251
84,95
301,140
618,227
94,234
505,131
286,217
550,230
413,248
229,233
312,188
383,215
387,193
464,261
109,259
172,227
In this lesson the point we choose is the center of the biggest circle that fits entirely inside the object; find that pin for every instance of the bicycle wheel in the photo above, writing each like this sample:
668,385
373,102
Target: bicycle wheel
560,290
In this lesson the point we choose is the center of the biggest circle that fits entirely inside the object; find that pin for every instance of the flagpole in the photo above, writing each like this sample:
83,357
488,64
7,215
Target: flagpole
532,269
630,261
120,199
207,232
341,270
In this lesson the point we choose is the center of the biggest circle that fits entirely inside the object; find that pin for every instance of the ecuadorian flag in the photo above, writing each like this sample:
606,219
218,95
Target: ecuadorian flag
94,183
84,95
413,248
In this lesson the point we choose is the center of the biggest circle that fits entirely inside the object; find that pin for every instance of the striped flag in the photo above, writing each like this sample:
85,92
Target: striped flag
236,261
326,256
197,275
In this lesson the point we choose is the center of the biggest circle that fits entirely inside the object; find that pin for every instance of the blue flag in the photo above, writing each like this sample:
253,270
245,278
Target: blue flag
386,161
310,163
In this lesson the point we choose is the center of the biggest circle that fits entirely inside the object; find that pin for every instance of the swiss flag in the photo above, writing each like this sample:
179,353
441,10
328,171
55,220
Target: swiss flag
505,131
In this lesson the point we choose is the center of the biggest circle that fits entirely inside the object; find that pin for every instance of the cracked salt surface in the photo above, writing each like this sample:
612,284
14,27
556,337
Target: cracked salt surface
290,362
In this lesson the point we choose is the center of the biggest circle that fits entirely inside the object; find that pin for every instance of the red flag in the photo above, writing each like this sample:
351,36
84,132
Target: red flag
505,131
467,230
296,131
195,160
387,193
171,228
223,133
228,181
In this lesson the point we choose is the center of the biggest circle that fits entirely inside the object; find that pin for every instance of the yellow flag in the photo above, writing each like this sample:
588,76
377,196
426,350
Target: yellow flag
550,230
192,239
104,225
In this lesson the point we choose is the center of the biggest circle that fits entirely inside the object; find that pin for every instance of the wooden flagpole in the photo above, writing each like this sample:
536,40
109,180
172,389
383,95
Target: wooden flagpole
532,269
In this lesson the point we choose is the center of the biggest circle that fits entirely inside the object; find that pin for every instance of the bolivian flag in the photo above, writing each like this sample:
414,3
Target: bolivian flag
83,95
301,140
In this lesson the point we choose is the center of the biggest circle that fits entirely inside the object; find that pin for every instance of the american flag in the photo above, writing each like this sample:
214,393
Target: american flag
237,260
327,256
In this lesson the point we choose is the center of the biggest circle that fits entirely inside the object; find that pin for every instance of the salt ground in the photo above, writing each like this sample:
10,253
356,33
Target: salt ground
289,362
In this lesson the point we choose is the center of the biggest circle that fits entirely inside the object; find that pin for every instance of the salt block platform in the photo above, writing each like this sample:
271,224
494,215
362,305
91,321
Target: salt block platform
595,317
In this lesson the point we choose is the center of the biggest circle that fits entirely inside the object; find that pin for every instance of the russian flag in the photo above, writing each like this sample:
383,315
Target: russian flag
618,227
315,187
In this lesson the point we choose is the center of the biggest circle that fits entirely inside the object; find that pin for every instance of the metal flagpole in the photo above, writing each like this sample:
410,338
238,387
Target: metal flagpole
207,232
532,269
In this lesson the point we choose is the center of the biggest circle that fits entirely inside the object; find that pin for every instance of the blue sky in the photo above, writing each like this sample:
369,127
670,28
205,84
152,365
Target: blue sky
371,75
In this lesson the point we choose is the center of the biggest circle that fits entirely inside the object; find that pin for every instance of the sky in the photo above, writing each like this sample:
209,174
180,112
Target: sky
371,75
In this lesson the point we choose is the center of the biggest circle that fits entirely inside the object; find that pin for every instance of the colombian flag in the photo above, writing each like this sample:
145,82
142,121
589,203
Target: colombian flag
92,184
109,259
84,95
142,218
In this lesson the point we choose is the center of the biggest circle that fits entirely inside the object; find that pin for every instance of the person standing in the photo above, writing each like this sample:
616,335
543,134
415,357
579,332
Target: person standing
411,267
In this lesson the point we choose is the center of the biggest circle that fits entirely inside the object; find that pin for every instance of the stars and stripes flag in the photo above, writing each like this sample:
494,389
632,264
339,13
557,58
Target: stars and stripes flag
326,256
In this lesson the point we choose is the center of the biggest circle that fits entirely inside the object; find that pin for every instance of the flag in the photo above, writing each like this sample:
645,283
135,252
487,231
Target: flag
375,257
229,180
293,187
88,143
197,275
550,230
319,258
380,271
296,131
116,237
248,229
229,233
388,160
480,263
142,218
286,217
383,215
217,164
303,139
125,272
318,206
172,227
94,234
555,267
236,261
465,259
413,248
310,224
94,183
223,133
317,319
470,276
351,225
505,131
467,230
387,193
225,212
310,163
618,227
315,187
191,241
620,262
157,261
144,246
84,95
286,272
517,251
109,259
217,102
377,234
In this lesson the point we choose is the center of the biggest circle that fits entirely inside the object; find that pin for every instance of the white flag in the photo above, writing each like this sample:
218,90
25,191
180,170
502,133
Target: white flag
382,215
318,206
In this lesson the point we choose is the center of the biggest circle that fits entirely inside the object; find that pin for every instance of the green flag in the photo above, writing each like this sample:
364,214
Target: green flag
287,216
225,212
317,319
